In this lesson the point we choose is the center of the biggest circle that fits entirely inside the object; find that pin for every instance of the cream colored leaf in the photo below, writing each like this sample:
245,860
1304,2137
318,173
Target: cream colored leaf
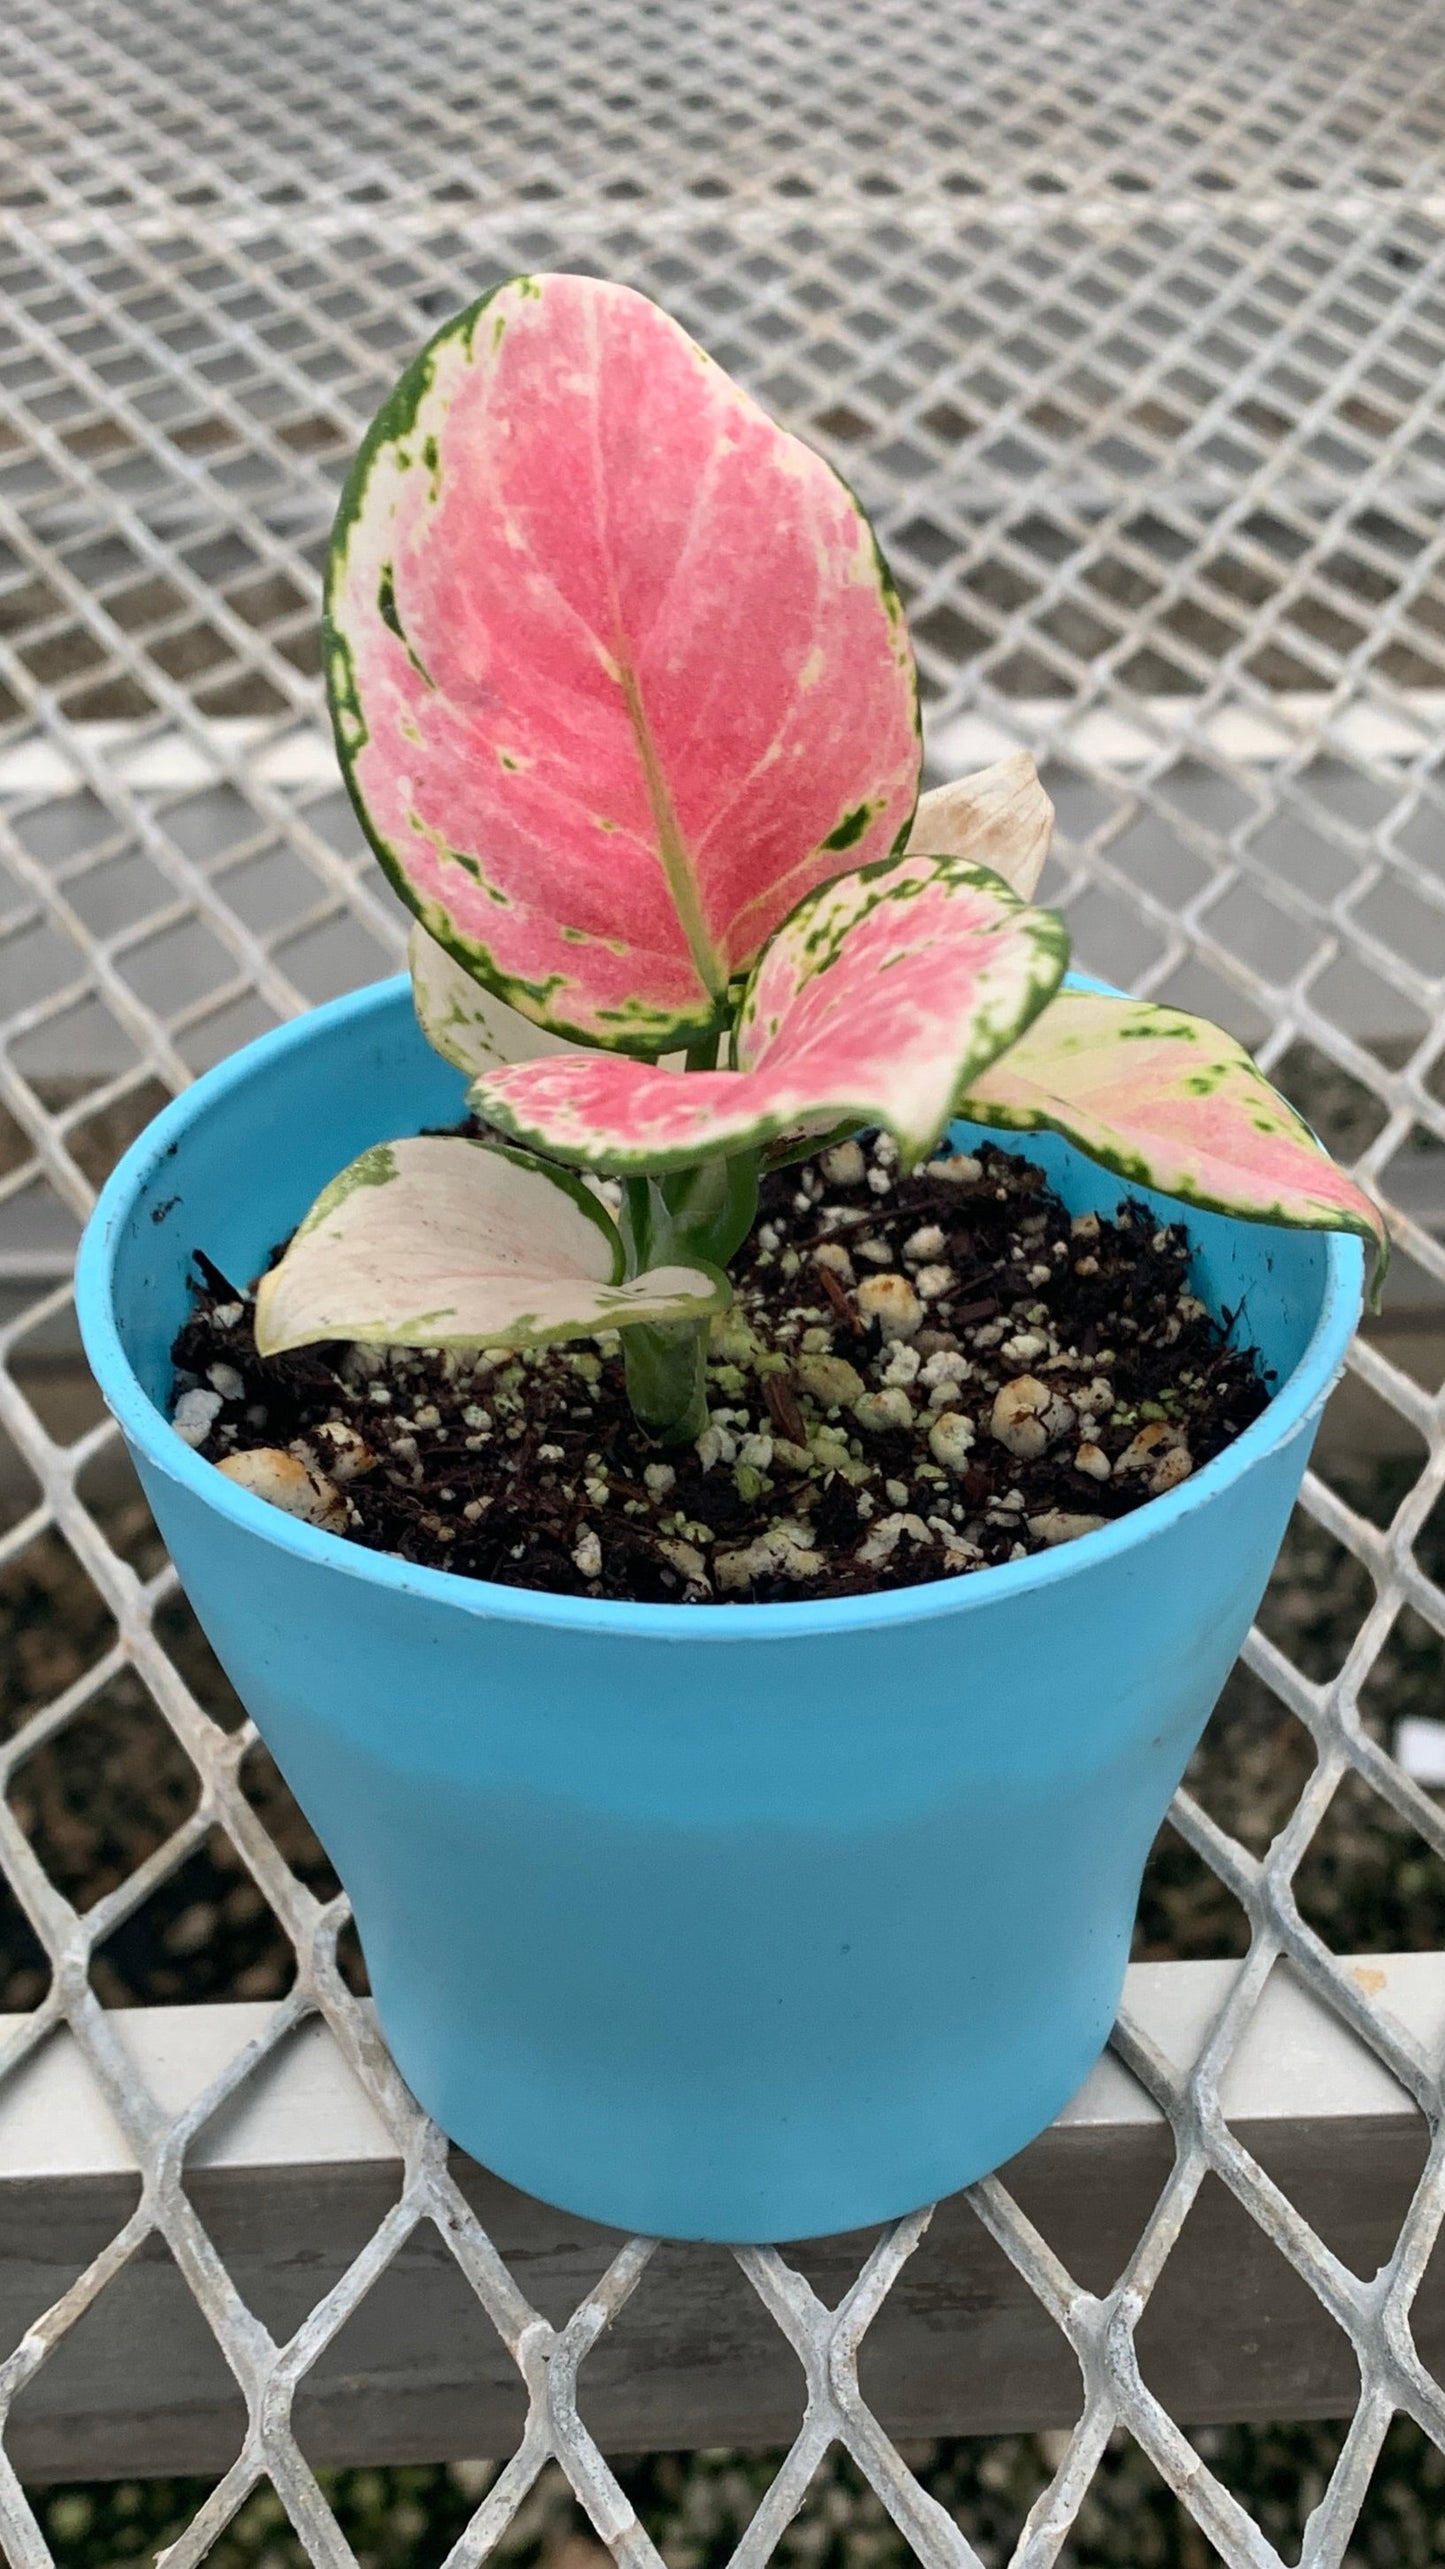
464,1022
444,1242
1000,817
470,1025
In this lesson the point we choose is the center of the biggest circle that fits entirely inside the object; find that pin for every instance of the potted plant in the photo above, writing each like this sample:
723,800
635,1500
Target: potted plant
716,1917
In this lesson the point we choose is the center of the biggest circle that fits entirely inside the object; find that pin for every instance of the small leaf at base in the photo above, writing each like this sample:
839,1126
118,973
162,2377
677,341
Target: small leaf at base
441,1241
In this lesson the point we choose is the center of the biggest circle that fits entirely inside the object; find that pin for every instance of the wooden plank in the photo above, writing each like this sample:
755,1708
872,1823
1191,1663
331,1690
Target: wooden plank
293,2176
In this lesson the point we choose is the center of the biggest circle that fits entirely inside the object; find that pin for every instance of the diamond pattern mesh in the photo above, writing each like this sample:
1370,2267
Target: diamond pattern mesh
1129,326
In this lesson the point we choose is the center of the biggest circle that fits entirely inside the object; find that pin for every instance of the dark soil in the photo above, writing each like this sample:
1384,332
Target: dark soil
893,1342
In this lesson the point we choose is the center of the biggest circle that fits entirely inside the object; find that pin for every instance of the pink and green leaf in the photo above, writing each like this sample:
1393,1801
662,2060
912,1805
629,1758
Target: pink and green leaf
999,817
882,997
617,672
444,1242
1175,1104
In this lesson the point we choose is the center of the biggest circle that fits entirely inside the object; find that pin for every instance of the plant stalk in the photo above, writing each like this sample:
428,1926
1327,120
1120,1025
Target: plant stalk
667,1379
704,1212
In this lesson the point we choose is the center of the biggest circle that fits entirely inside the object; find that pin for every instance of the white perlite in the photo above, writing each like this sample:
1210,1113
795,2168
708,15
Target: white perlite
891,1301
843,1165
944,1366
717,1444
1028,1415
270,1474
785,1550
1160,1453
886,1536
1063,1525
878,1413
951,1440
686,1559
829,1380
923,1244
341,1452
587,1553
195,1415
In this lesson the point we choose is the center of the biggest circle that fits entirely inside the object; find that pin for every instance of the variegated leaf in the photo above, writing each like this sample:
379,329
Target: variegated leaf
445,1242
616,668
1173,1103
1000,817
464,1021
882,996
467,1023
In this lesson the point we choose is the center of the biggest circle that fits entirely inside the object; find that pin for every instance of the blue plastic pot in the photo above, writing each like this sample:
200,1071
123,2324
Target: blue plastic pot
725,1922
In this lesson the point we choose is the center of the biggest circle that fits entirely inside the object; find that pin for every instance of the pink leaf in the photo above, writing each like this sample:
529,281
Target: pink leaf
1173,1103
617,671
880,999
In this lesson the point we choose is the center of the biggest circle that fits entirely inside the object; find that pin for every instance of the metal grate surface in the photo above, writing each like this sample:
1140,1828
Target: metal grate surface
1128,323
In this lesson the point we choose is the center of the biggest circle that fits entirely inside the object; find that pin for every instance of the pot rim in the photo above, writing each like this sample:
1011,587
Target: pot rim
145,1427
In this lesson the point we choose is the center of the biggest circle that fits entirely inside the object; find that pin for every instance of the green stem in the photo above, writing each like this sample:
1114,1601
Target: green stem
667,1379
636,1223
703,1212
709,1209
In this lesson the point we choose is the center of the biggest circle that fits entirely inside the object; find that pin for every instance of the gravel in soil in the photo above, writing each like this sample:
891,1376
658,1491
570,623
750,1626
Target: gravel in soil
920,1376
